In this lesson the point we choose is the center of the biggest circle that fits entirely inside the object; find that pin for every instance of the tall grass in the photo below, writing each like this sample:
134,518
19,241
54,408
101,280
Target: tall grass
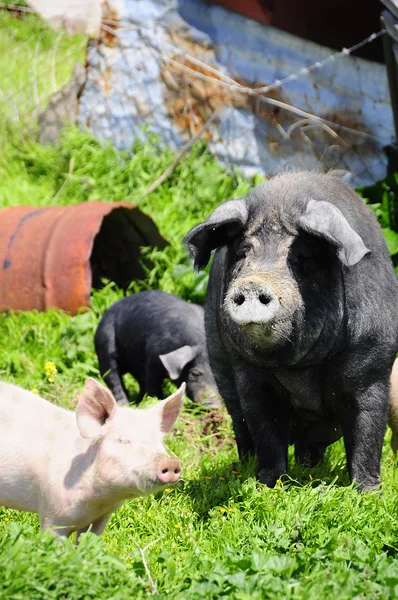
219,534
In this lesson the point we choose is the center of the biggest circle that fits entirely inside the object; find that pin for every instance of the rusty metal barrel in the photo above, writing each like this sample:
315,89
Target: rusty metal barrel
53,256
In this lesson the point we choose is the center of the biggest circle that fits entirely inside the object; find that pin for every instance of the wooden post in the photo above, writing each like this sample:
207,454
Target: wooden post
389,21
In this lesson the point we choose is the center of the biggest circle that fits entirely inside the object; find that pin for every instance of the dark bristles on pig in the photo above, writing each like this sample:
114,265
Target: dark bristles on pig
154,335
301,322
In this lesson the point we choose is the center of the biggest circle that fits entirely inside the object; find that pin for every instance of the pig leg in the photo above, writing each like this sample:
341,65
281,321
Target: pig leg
309,454
55,530
105,346
141,393
265,413
154,375
243,437
114,381
96,527
224,376
364,423
394,441
100,524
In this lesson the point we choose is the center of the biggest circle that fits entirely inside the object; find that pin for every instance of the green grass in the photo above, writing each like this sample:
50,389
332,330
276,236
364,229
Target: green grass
219,533
34,63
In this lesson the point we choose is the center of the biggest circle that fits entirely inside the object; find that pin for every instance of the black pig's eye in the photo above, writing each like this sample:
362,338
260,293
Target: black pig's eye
242,251
304,253
304,256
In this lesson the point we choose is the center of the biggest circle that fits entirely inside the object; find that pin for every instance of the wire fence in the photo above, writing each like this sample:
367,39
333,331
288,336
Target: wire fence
35,63
185,83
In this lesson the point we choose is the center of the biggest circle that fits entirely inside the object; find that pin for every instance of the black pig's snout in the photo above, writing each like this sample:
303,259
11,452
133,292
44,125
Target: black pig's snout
252,303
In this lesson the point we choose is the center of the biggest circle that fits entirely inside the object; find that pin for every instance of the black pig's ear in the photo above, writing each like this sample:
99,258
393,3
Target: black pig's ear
222,225
175,361
325,220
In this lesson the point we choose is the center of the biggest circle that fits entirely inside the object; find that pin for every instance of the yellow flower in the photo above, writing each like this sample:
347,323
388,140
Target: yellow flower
149,514
221,478
167,490
34,391
156,517
230,510
6,519
239,475
177,526
223,510
50,370
128,564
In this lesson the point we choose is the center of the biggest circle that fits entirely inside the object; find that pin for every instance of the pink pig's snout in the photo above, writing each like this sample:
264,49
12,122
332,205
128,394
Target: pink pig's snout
169,470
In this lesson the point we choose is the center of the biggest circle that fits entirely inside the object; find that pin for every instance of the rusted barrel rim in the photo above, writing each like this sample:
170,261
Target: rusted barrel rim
49,256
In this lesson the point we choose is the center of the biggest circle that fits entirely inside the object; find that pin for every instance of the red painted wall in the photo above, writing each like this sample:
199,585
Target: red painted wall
333,23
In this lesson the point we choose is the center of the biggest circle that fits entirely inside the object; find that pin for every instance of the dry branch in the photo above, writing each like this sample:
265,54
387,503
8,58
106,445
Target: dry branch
179,155
142,552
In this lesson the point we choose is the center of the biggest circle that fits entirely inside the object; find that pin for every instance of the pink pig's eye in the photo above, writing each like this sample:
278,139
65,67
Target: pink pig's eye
123,440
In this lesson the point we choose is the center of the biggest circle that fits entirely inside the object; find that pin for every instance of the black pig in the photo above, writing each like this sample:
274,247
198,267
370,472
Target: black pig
154,335
301,321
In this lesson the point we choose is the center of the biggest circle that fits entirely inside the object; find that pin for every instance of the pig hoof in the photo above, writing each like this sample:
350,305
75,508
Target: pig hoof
268,477
211,403
309,456
371,485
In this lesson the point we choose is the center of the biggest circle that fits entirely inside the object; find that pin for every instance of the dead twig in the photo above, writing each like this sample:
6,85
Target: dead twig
304,124
67,179
166,174
142,552
14,8
179,67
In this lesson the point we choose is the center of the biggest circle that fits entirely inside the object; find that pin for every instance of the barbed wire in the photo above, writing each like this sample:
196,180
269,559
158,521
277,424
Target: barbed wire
26,98
227,82
15,93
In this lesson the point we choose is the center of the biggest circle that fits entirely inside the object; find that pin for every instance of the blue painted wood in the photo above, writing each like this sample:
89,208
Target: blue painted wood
127,88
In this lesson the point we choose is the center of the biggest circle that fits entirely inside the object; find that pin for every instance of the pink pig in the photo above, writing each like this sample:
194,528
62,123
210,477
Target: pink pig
75,470
393,412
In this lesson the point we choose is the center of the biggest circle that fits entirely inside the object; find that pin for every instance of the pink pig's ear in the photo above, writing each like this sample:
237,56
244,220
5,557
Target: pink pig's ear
95,406
170,408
